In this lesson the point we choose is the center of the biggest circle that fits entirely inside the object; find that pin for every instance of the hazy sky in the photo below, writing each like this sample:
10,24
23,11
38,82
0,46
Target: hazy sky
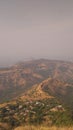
35,28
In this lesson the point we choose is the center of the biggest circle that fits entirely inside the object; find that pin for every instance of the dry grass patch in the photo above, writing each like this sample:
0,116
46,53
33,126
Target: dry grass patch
42,128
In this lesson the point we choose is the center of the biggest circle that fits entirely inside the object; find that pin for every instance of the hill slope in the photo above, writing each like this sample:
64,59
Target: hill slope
22,76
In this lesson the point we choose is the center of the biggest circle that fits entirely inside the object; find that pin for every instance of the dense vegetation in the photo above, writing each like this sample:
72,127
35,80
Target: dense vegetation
47,112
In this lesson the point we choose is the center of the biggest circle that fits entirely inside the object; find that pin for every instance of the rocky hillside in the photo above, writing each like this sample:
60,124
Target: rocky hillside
34,107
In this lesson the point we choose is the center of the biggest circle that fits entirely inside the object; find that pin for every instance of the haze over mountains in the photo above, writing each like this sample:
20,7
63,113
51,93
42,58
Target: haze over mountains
10,62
